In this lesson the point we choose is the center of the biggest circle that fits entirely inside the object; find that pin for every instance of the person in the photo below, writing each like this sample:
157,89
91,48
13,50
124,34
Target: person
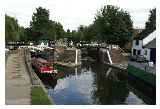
146,66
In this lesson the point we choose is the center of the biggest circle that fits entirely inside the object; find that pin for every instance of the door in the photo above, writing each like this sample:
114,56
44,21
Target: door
138,52
134,51
153,55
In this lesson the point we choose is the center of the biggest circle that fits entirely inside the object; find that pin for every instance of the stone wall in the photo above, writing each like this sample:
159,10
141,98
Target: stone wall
67,55
103,57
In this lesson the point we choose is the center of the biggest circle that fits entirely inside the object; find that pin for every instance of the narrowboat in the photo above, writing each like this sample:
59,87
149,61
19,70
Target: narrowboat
42,67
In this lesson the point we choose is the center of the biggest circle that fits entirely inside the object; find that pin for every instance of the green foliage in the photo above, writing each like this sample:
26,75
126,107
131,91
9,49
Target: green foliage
55,30
84,33
23,34
141,74
13,32
11,29
39,23
69,34
39,97
89,33
43,28
113,25
72,36
29,34
150,25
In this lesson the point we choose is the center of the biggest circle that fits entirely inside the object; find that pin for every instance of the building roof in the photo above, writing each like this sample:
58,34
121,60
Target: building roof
150,40
40,60
137,31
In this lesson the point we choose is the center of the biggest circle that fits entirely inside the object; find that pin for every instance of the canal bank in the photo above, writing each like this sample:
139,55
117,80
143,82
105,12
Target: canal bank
148,78
39,94
141,80
144,81
114,58
117,66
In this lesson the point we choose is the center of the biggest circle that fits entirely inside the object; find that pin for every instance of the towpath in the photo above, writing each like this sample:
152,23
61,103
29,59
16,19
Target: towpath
18,85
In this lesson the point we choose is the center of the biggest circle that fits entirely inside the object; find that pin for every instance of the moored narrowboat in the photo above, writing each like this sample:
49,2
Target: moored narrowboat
43,68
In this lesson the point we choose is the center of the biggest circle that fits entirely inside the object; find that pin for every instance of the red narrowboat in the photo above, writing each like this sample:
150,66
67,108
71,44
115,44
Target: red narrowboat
43,67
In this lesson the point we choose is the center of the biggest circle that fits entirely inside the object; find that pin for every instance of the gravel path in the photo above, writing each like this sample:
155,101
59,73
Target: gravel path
17,84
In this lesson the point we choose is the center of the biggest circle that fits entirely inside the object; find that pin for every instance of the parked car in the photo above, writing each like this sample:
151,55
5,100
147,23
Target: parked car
138,58
133,58
141,58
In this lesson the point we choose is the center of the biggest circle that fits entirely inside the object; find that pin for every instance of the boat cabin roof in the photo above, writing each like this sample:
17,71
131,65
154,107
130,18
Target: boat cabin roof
40,60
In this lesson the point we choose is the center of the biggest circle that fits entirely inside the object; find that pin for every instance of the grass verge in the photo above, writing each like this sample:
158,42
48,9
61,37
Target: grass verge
39,97
141,74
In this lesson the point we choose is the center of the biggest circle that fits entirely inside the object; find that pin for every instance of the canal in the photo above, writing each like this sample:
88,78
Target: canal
93,83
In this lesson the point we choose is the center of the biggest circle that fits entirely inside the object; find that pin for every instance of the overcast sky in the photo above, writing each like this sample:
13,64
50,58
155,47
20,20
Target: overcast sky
72,13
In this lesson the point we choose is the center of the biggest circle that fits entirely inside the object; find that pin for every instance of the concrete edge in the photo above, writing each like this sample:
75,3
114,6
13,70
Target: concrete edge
67,64
117,67
34,76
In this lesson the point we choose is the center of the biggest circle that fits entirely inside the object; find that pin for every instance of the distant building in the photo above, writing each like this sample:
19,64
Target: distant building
145,47
136,33
139,30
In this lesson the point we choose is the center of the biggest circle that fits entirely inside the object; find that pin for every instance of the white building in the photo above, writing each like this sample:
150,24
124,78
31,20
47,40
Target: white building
145,47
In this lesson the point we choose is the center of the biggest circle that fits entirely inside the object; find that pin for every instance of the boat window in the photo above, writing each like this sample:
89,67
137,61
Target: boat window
48,65
43,65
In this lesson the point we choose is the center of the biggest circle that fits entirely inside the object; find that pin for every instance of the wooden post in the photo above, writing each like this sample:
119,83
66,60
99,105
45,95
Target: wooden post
76,57
110,60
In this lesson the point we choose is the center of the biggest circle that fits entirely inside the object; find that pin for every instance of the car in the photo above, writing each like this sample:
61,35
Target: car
138,58
141,58
133,58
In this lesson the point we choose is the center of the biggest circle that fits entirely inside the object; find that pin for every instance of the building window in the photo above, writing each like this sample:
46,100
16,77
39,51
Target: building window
137,42
138,52
134,51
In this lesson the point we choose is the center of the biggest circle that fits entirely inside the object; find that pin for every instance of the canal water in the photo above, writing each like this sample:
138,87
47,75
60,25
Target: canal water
93,83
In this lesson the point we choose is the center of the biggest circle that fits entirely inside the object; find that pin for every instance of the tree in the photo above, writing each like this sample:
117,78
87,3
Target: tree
41,27
113,25
81,32
29,34
68,34
150,25
89,33
84,33
55,30
39,24
22,34
11,29
59,30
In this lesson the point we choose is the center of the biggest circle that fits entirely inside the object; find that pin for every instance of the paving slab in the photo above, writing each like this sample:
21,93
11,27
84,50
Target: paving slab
17,85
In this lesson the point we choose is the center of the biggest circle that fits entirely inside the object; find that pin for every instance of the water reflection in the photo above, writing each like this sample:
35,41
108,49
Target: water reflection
92,83
110,88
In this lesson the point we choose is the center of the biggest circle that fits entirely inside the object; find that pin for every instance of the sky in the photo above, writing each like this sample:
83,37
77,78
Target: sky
72,13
